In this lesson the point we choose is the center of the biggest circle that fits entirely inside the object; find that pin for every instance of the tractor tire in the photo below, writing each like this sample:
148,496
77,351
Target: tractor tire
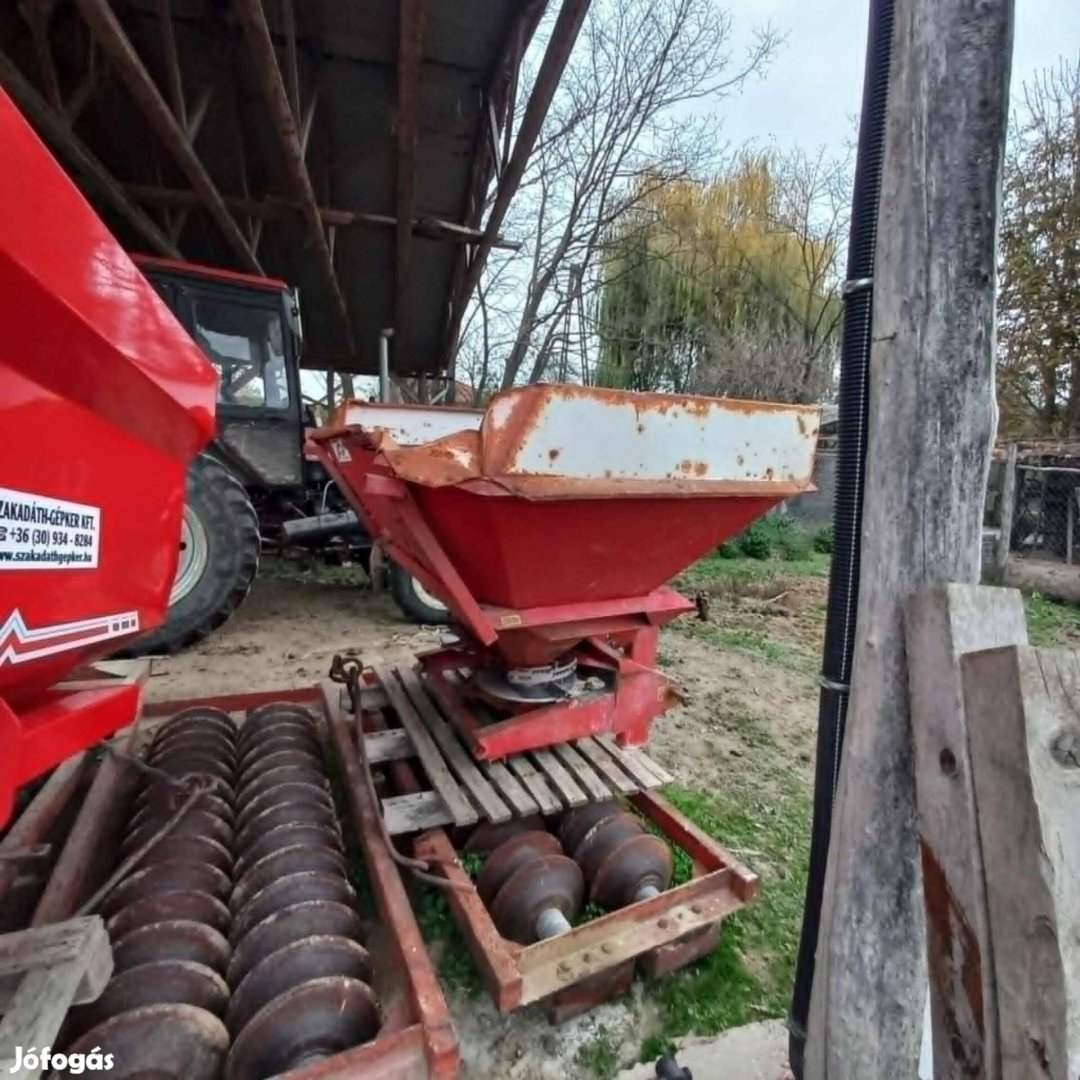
218,559
413,600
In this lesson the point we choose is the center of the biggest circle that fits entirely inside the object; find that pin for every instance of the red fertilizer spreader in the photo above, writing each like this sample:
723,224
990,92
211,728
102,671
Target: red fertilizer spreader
104,401
549,523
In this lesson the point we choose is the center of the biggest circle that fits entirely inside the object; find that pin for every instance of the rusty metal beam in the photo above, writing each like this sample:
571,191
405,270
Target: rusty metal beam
38,15
292,63
253,19
409,63
272,208
82,94
101,19
172,61
54,128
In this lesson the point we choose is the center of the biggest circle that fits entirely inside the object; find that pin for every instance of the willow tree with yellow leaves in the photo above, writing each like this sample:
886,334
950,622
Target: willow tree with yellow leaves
730,286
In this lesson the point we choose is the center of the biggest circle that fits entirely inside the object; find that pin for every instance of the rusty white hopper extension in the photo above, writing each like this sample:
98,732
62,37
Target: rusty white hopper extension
559,513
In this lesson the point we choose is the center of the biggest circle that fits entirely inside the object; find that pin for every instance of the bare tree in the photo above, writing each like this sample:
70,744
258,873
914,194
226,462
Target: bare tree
625,110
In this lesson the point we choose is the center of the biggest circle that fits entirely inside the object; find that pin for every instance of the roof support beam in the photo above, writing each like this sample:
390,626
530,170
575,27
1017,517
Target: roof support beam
563,36
172,61
38,15
117,46
54,128
253,19
271,208
410,60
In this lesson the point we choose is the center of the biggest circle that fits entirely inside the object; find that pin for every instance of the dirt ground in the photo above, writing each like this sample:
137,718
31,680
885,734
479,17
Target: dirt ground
757,697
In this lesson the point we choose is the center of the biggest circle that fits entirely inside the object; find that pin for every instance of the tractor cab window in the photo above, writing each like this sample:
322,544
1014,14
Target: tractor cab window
245,344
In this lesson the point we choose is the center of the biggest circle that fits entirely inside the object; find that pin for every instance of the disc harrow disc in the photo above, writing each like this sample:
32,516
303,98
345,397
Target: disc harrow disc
286,836
157,1042
509,856
296,771
311,1021
576,823
176,939
488,835
293,813
195,763
603,839
163,907
279,796
196,849
308,958
202,824
286,891
644,860
550,881
292,738
295,859
196,718
167,877
311,917
160,803
162,982
212,742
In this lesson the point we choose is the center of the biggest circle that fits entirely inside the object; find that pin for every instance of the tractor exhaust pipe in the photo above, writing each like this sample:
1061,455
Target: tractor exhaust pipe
304,530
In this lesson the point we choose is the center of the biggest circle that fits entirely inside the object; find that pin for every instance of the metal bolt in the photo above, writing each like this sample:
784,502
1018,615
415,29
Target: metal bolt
695,908
563,969
1066,748
586,958
606,947
664,924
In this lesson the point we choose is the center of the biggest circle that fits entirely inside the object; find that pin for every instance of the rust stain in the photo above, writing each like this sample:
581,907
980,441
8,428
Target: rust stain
686,466
553,454
739,460
701,468
955,965
769,473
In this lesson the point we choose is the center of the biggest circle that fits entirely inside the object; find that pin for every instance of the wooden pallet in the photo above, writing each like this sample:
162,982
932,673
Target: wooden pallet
465,791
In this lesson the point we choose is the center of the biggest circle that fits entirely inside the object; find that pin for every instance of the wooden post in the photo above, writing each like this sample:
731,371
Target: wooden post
931,424
942,624
1023,706
1008,509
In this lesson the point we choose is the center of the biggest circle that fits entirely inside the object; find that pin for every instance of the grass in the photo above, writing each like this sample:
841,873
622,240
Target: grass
456,967
750,974
1052,622
716,568
600,1056
740,640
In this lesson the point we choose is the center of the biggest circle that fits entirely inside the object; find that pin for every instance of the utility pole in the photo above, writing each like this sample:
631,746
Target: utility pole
931,426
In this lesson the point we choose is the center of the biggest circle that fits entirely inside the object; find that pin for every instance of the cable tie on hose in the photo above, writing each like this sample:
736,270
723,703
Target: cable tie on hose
854,285
831,684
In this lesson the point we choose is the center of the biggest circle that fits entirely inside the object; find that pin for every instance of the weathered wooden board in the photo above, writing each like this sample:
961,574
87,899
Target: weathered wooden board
413,813
534,781
394,744
1023,710
941,624
563,782
461,810
582,772
621,781
485,795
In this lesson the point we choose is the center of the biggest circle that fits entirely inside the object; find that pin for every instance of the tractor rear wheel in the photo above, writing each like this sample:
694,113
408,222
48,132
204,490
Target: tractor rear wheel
219,554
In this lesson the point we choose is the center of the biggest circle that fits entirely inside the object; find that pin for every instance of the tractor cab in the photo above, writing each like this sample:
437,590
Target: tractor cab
249,329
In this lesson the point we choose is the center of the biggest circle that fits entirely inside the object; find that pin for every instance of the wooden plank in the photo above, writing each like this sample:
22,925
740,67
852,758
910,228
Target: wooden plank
459,760
508,786
582,771
394,744
621,781
651,764
412,813
462,811
53,967
941,624
537,785
930,422
640,768
565,784
1022,706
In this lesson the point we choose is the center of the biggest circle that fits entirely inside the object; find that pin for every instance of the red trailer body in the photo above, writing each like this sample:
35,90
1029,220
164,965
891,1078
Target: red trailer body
104,401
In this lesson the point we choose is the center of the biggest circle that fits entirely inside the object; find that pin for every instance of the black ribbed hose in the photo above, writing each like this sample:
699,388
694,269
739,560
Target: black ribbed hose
847,512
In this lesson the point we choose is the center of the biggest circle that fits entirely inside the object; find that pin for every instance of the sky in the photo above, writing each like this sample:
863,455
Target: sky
811,94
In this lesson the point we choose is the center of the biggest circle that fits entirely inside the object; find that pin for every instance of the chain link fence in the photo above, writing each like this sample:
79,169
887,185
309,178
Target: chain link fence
1046,513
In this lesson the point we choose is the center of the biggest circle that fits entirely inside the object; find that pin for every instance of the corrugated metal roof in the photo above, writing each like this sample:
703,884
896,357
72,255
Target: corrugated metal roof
348,61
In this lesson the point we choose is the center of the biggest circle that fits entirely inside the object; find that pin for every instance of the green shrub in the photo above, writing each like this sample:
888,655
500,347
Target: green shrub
755,542
823,540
